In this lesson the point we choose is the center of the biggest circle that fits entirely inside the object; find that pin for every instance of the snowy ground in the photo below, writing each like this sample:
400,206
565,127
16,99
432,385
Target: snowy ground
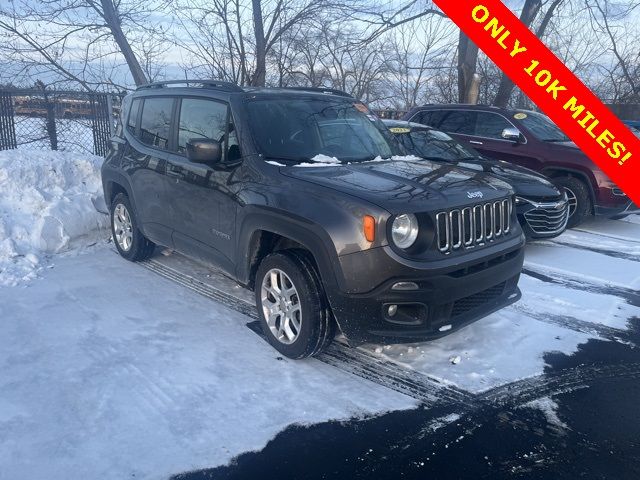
110,369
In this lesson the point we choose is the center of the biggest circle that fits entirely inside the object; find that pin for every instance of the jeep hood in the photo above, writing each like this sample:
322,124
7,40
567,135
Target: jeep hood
406,184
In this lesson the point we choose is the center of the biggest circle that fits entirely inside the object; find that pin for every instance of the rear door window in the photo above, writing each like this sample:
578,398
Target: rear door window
458,121
155,125
429,117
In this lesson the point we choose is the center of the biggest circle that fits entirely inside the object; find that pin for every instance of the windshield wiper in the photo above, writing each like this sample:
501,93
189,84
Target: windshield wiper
439,159
556,140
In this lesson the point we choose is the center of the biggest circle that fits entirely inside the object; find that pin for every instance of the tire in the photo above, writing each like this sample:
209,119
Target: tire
580,205
127,237
302,324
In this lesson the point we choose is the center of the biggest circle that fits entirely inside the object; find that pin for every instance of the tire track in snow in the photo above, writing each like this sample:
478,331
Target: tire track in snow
601,251
430,391
354,361
631,296
571,323
608,235
526,390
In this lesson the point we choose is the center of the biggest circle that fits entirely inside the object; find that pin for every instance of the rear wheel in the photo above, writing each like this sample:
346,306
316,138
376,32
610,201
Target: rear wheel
292,307
580,205
128,238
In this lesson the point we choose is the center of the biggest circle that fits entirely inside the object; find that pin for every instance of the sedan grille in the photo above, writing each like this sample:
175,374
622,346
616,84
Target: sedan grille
472,226
548,218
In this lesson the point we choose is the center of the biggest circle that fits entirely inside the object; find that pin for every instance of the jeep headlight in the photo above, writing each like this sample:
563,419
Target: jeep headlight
404,230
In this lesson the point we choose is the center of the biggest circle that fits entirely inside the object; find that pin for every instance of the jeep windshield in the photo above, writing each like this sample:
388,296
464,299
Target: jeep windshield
303,129
436,145
542,127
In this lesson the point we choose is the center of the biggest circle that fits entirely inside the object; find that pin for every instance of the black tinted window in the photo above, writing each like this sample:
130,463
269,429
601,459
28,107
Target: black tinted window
201,119
491,125
133,115
156,121
454,121
429,117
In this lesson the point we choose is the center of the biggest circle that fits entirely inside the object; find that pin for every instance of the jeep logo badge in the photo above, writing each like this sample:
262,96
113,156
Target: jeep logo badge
475,194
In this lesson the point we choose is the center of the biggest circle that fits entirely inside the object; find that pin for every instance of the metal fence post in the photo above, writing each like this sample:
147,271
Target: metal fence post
110,113
51,121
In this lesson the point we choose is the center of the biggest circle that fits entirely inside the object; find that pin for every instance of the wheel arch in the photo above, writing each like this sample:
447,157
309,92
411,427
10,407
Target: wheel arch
264,233
114,183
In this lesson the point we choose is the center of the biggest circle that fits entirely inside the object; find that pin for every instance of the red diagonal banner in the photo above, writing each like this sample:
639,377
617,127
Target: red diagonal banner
552,86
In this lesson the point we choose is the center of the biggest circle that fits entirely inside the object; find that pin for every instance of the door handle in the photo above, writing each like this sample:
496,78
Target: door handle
475,142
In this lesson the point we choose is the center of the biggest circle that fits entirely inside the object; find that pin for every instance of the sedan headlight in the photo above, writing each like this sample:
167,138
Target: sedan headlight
404,230
520,201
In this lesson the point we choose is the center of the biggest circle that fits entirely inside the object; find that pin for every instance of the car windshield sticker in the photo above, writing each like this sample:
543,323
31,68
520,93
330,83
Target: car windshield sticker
399,130
520,116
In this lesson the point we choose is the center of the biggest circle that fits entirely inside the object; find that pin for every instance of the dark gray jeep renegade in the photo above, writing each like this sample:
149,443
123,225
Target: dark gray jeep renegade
303,196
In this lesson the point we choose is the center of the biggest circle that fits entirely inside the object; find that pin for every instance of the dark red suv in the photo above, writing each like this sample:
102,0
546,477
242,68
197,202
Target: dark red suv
530,139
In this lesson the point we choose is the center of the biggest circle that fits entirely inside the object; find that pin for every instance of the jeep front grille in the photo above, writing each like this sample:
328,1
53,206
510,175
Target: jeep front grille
472,226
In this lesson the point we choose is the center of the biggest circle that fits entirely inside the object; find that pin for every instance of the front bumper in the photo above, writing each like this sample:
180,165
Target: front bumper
442,303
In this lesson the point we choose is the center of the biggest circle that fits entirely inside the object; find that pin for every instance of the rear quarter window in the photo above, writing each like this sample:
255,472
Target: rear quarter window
132,121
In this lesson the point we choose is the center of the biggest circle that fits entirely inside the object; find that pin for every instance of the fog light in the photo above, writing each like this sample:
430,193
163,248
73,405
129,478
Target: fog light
405,286
392,310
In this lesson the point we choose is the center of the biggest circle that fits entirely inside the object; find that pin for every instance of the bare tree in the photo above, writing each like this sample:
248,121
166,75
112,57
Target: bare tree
467,61
78,33
625,72
529,13
416,53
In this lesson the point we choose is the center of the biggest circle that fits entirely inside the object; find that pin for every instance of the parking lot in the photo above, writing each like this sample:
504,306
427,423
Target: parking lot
112,369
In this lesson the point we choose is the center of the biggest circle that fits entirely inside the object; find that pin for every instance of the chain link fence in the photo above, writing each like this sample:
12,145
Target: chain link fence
57,120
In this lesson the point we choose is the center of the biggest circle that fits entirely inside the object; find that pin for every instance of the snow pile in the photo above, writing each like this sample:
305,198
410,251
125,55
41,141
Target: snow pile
321,160
46,206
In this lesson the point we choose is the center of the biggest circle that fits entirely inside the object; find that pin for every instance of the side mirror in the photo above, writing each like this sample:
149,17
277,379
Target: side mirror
512,134
204,150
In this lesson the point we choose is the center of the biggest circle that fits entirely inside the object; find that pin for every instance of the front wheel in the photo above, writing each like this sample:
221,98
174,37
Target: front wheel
292,307
579,199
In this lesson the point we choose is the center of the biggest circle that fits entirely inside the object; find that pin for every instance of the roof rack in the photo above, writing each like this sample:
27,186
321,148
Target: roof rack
332,91
209,83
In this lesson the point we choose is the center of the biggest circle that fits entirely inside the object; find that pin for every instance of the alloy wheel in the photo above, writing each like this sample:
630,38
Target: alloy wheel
281,306
122,227
573,201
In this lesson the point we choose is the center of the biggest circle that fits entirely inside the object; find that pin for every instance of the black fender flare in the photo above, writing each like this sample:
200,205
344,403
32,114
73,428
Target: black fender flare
112,177
308,234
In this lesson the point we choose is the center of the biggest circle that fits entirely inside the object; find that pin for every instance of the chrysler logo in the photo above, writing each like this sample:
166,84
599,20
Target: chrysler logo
475,194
